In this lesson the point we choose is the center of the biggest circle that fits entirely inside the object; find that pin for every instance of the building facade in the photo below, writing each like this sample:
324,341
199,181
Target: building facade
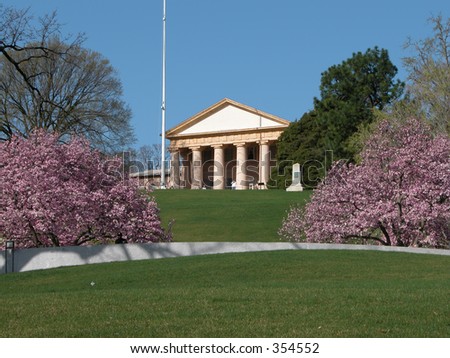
228,145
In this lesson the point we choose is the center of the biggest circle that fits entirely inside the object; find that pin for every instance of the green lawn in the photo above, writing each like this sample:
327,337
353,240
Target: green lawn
226,215
265,294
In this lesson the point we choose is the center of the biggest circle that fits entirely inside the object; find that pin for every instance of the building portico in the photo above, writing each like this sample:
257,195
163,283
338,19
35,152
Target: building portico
228,142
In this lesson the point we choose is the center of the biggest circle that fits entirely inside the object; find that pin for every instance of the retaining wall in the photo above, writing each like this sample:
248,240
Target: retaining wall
45,258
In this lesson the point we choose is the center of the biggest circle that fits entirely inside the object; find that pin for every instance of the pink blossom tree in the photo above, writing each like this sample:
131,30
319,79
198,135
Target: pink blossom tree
55,194
399,194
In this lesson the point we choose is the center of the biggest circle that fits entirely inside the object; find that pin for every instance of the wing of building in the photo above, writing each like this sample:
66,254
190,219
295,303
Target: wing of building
226,145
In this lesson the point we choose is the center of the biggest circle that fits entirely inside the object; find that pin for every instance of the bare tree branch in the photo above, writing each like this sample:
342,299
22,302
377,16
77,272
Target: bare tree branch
53,83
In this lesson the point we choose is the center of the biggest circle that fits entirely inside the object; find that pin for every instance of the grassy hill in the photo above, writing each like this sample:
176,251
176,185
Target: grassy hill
226,215
264,294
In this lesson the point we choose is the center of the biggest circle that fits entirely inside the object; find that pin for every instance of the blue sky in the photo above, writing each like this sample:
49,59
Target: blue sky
268,54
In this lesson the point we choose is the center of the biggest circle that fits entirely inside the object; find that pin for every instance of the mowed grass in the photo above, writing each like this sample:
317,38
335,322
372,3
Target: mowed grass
264,294
226,215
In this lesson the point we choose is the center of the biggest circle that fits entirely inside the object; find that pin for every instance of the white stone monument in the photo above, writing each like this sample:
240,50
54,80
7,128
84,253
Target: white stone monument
296,179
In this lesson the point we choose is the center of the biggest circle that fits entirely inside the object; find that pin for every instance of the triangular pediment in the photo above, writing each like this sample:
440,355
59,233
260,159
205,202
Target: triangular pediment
227,116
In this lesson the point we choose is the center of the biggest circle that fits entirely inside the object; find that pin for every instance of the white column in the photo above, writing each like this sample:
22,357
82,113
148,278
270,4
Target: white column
197,168
264,163
219,167
241,156
174,168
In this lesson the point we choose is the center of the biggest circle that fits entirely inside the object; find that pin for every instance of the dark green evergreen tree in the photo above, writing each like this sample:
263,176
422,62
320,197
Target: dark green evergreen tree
349,93
301,143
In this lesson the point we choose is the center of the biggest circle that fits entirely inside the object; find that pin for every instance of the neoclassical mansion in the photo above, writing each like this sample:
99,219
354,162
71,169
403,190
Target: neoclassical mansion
226,145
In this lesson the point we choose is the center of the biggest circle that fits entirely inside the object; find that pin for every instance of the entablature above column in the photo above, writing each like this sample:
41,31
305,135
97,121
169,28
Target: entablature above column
224,139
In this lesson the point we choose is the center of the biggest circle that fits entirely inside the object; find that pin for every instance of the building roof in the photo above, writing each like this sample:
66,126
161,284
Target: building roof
226,116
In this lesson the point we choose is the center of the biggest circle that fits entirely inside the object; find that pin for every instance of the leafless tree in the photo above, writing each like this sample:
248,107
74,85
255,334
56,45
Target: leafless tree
55,84
150,155
429,73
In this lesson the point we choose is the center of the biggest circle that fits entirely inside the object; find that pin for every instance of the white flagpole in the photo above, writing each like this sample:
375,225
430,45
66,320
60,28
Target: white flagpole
163,105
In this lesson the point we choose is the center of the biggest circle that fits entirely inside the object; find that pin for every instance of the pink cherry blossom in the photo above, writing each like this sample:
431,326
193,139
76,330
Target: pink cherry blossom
399,194
55,194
